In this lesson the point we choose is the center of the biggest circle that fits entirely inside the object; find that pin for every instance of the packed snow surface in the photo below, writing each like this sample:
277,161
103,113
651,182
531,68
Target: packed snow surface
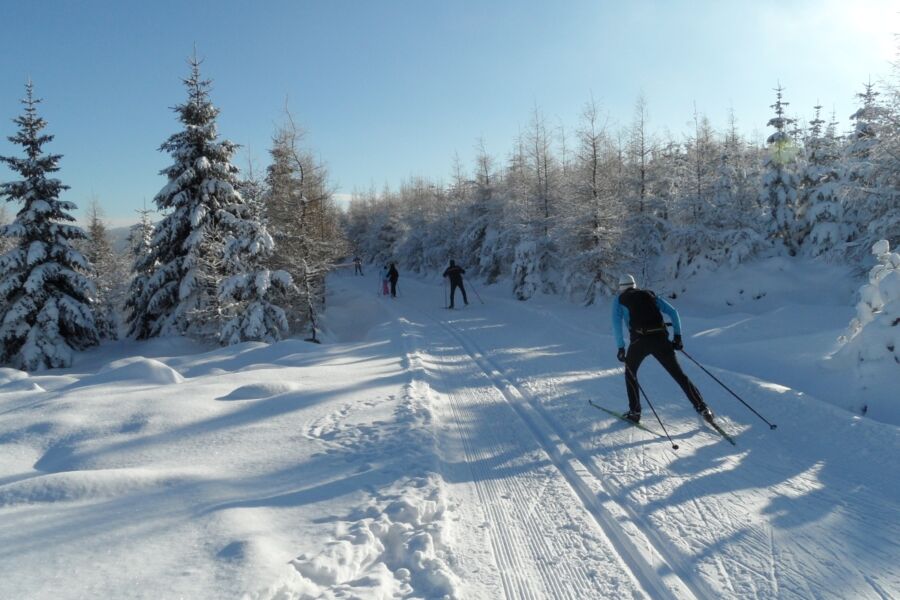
428,453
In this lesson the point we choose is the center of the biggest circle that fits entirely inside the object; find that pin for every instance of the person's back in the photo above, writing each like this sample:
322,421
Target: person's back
454,273
643,311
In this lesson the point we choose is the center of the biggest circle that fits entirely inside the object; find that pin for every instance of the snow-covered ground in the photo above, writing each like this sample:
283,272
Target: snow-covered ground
427,453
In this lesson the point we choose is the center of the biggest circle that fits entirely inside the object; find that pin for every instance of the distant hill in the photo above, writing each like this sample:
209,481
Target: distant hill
118,237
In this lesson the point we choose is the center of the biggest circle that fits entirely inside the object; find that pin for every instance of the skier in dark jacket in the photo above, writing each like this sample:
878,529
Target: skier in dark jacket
393,275
642,311
455,273
357,265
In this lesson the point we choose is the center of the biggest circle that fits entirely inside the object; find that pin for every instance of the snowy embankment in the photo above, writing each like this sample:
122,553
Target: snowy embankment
424,453
253,469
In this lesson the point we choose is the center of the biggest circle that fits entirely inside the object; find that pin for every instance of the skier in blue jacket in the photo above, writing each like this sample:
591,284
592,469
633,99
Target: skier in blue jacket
642,312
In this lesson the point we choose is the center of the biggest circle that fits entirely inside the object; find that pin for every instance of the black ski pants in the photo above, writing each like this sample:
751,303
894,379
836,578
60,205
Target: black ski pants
393,288
659,346
453,286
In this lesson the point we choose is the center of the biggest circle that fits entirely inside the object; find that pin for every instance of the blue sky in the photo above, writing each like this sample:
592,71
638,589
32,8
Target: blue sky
392,89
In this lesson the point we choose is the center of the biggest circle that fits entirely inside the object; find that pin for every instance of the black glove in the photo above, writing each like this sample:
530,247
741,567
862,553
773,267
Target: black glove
621,354
677,344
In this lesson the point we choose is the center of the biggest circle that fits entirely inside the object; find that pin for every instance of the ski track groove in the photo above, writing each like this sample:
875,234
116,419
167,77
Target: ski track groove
503,544
719,564
628,549
773,563
577,584
536,540
877,588
521,501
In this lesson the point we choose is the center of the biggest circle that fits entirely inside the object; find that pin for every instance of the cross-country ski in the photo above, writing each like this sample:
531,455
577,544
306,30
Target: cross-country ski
622,416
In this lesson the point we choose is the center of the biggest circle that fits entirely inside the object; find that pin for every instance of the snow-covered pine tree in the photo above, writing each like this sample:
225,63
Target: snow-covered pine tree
251,295
185,258
109,275
779,182
45,295
820,191
140,243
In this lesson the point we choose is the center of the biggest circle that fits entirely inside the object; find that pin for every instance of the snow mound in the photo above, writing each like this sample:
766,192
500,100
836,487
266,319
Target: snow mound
241,356
135,370
257,391
73,486
21,385
7,375
52,383
392,550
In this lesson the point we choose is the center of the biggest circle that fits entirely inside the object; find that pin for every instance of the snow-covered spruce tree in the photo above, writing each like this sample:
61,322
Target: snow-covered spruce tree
252,295
779,182
109,274
185,259
140,244
45,296
820,191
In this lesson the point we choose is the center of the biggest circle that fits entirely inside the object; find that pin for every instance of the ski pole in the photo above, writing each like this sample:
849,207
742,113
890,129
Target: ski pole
771,425
477,295
644,394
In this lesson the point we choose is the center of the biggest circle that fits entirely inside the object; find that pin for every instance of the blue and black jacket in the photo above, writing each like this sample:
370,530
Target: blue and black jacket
644,316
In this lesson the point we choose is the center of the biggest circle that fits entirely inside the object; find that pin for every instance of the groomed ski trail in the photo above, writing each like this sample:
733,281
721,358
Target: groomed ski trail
532,535
773,518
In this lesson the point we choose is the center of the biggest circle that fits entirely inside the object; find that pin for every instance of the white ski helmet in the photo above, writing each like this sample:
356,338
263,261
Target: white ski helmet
627,281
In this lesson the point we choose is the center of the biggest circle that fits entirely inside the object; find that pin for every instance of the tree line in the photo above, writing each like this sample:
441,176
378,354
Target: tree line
235,257
565,214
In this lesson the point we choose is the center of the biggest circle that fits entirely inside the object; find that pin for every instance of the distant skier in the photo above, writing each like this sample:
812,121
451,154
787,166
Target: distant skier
455,273
385,278
393,275
357,265
642,312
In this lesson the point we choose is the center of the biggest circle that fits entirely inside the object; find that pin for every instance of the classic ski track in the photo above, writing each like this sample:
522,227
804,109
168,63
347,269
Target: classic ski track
503,545
643,551
741,577
517,527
